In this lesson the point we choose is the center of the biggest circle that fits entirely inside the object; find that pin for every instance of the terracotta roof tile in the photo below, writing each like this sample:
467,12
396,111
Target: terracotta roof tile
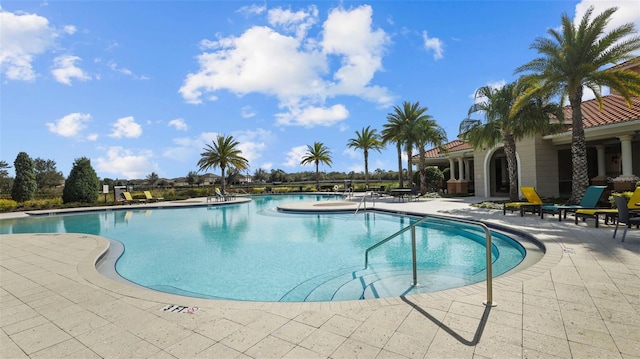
455,145
614,110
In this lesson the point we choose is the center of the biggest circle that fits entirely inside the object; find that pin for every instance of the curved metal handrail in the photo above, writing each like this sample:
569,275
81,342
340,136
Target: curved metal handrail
412,227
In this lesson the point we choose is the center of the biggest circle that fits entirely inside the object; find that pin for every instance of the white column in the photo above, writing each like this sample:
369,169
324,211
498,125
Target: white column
452,170
625,145
460,169
467,173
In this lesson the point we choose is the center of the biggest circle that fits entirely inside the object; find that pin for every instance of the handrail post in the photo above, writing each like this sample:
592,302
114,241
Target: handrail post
489,302
413,255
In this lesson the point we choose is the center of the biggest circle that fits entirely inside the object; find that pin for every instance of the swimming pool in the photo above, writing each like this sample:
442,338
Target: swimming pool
250,251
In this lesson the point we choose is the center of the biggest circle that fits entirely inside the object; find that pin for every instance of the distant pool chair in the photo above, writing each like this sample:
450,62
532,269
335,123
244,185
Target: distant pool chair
533,204
624,216
589,200
608,213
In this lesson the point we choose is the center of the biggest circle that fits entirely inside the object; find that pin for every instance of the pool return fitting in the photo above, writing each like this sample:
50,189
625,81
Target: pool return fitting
489,301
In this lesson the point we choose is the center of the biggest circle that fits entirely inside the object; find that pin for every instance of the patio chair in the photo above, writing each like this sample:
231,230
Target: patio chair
130,200
608,213
589,200
219,195
150,198
533,204
624,216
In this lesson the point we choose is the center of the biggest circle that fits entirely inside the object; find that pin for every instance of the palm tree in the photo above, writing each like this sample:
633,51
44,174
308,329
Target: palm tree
427,132
223,153
401,128
152,179
502,125
573,58
392,132
316,154
366,140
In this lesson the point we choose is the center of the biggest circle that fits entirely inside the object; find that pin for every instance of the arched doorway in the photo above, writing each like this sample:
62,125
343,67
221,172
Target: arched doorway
497,175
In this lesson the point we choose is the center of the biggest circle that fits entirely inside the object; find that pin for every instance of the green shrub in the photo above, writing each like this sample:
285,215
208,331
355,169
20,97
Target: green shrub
8,205
258,190
82,185
627,195
24,185
36,204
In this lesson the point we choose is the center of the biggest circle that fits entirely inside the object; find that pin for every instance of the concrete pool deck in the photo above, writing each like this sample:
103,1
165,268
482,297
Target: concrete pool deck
582,300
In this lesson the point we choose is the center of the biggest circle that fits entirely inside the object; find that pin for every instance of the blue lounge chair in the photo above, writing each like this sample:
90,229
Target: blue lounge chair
589,200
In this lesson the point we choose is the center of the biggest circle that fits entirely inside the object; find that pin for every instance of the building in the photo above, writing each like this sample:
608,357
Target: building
612,136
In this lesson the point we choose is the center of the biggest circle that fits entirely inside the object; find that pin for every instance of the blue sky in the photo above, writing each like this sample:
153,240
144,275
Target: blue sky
143,86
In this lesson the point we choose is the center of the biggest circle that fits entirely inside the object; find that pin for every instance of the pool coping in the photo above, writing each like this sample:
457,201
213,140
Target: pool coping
558,307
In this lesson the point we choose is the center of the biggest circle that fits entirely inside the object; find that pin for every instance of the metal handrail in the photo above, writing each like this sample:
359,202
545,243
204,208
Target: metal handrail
412,227
362,201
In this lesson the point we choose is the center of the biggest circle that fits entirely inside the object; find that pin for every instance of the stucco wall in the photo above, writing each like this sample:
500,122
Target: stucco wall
539,165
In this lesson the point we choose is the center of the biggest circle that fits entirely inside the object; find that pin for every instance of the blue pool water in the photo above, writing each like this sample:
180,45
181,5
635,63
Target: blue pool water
250,251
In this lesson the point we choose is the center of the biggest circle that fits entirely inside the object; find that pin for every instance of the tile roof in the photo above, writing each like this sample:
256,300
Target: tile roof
614,110
455,145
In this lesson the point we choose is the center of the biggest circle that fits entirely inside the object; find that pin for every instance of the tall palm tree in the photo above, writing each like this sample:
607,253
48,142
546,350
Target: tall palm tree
402,123
223,153
152,179
366,140
427,132
316,154
574,58
392,132
502,125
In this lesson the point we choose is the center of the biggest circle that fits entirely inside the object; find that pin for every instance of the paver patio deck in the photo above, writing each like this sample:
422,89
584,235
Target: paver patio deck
582,300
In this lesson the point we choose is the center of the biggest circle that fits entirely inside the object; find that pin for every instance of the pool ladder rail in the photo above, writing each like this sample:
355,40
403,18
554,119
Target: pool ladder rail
489,301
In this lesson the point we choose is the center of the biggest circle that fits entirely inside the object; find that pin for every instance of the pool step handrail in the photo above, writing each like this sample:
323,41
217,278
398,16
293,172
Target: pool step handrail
363,202
489,302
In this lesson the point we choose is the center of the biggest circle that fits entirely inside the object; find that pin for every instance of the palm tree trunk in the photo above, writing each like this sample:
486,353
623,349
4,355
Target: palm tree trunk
400,182
579,176
512,167
422,167
366,169
223,180
409,166
317,177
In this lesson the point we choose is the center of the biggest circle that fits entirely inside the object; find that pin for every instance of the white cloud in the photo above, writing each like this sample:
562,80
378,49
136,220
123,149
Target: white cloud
252,9
65,69
92,137
247,112
434,44
353,154
69,29
125,71
628,12
124,163
313,116
70,125
297,22
267,166
23,37
188,149
126,127
295,69
253,143
179,124
294,156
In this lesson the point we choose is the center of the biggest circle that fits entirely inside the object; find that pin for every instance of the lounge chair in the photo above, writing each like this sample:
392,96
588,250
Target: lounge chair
150,198
624,216
219,195
589,200
128,199
608,213
533,204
